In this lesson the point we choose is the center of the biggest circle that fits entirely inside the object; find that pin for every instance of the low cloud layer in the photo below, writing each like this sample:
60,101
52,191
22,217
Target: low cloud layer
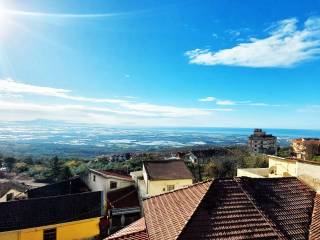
285,46
16,102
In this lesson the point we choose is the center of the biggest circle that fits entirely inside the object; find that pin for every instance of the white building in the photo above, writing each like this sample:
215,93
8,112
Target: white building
106,181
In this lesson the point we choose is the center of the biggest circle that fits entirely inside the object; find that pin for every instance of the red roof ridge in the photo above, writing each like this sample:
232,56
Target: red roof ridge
179,189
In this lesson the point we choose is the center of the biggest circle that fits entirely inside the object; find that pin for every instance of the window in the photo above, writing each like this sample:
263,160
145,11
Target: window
113,185
94,178
50,234
170,187
9,197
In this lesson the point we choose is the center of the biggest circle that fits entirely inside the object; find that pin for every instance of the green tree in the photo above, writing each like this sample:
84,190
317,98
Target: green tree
65,173
54,168
9,163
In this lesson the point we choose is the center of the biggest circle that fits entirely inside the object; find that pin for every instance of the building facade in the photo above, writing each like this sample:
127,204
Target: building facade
260,142
306,148
162,176
106,181
66,217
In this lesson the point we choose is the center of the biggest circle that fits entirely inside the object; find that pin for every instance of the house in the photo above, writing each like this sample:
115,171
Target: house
66,217
224,209
306,148
123,207
161,176
11,191
106,181
306,171
260,142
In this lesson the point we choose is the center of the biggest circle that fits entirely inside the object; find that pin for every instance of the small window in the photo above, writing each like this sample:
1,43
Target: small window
113,185
9,197
50,234
94,178
170,187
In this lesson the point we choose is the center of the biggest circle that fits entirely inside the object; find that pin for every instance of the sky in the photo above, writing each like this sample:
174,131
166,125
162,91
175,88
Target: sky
161,63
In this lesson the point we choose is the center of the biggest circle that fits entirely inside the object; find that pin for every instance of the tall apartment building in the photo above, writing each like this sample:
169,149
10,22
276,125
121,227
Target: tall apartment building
260,142
306,148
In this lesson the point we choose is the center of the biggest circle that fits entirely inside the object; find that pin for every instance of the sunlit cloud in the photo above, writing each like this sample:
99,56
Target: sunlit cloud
285,46
79,106
59,15
232,102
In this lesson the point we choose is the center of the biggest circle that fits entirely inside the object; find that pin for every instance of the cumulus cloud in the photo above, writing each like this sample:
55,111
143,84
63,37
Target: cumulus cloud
285,46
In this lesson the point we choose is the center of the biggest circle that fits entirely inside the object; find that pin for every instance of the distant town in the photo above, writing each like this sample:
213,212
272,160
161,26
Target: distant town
257,191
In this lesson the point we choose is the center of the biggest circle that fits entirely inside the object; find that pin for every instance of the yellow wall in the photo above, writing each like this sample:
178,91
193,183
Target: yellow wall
66,231
283,166
157,187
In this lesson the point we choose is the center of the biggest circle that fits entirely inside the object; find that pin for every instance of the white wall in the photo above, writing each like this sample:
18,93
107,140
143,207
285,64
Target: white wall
310,174
102,183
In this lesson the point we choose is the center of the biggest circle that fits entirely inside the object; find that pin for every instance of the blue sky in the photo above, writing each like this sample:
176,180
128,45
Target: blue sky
161,63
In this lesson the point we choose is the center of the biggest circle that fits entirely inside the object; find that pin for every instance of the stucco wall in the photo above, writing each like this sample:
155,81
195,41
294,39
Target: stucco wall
283,167
310,174
103,184
253,172
158,187
68,231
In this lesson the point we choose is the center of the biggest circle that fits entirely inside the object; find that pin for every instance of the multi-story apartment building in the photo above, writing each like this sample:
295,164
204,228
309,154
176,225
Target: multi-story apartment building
260,142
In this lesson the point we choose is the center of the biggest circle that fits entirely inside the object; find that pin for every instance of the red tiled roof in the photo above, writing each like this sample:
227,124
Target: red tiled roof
135,231
315,224
123,198
167,214
239,208
113,174
163,170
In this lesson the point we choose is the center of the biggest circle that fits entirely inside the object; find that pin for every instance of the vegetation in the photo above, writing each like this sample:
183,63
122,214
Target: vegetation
55,169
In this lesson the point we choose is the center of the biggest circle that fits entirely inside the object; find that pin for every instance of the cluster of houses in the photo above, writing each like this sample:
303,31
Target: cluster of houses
162,202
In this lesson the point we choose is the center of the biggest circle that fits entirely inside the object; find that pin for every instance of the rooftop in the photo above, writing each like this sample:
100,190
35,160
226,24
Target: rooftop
123,198
239,208
38,212
108,174
71,186
6,186
167,170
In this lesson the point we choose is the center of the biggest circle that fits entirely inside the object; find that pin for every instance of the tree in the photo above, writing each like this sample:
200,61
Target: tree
65,173
54,168
9,163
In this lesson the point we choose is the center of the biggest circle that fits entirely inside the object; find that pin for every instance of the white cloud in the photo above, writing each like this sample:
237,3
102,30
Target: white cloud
10,86
17,99
207,99
225,102
285,46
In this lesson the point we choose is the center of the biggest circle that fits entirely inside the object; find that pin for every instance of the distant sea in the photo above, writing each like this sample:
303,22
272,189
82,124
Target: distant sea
42,138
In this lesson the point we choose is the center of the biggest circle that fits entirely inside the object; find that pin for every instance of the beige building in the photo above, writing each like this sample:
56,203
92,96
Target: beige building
260,142
307,171
306,148
161,176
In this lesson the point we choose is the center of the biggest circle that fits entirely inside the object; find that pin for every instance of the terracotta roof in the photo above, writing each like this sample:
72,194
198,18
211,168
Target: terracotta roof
123,198
167,214
105,173
135,231
167,170
239,208
315,224
7,186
